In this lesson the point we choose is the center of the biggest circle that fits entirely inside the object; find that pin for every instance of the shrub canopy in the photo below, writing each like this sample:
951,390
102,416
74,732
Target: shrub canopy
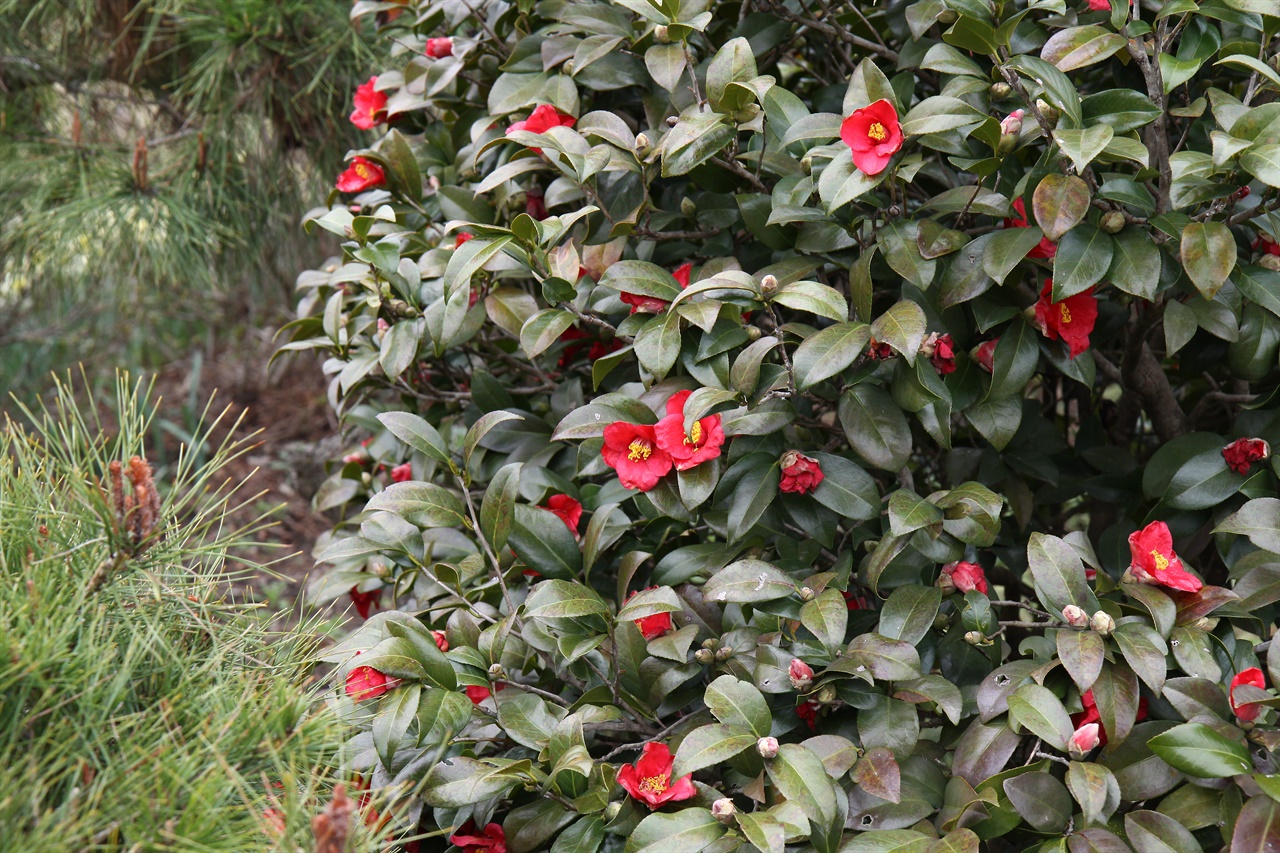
812,426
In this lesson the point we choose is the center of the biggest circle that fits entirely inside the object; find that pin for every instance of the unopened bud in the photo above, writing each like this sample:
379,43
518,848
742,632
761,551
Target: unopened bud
711,643
753,333
662,34
723,810
433,182
381,570
611,810
801,674
1049,111
769,284
1270,262
642,144
704,656
806,164
1112,222
568,66
496,672
974,638
806,593
724,653
687,207
945,583
1011,125
767,747
826,696
672,121
1075,616
1102,623
1001,90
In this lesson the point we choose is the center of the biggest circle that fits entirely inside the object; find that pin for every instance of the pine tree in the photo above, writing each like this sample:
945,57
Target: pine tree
154,155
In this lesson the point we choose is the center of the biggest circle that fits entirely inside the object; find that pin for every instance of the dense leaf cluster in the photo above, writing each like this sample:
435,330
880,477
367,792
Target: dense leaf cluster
809,426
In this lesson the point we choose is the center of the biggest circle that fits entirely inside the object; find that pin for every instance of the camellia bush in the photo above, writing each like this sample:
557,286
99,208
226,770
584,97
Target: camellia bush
791,425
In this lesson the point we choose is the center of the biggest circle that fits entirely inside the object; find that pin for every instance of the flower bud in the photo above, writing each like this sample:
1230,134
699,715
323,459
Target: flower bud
434,183
704,656
568,67
1075,616
672,121
711,643
806,164
753,333
806,593
1001,90
974,638
1102,623
724,653
1011,125
723,810
662,34
1112,222
1085,739
827,695
767,747
1050,112
496,672
642,144
381,570
769,284
1270,262
801,674
442,642
611,810
687,207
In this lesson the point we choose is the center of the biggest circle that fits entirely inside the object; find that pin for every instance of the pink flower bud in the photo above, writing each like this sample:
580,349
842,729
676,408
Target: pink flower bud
1084,740
1012,123
442,642
1075,616
801,674
767,747
723,810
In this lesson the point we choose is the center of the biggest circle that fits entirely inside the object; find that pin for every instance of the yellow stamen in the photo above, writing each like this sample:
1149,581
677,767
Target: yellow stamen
653,784
694,437
1065,313
362,170
1162,562
639,451
877,132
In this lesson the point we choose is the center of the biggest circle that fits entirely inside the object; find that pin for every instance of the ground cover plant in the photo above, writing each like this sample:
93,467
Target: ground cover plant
791,425
141,707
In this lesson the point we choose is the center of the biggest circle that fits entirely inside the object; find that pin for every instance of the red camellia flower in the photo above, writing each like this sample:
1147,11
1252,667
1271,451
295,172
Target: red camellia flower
439,48
874,135
533,204
967,576
944,355
1253,677
854,602
541,120
1085,738
800,474
632,450
1046,248
879,350
1267,245
649,779
808,711
365,682
442,642
477,694
984,354
402,473
369,103
1099,5
1154,561
470,840
702,442
365,602
361,175
1243,452
651,304
1090,715
462,237
568,510
1070,320
652,627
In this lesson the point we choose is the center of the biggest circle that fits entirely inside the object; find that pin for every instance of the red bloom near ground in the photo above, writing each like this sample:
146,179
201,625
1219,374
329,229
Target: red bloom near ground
1154,561
652,627
365,602
1243,452
402,473
632,450
1253,677
478,694
1046,248
568,510
361,175
874,135
651,304
800,474
985,353
967,576
470,840
369,103
439,48
702,442
1070,321
541,120
944,355
649,779
365,682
